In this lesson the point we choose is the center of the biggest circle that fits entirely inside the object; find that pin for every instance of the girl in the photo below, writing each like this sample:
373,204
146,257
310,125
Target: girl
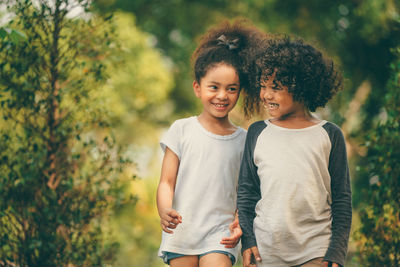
294,196
196,195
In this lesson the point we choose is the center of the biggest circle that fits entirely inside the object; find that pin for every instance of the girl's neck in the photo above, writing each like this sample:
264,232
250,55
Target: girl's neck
219,126
296,121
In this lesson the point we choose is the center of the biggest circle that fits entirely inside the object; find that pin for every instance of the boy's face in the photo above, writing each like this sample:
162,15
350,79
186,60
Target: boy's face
218,90
277,99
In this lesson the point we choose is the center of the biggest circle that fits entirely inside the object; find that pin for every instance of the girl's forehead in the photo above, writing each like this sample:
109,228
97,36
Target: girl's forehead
218,67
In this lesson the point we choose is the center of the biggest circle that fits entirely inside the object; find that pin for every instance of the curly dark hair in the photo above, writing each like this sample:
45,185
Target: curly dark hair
229,43
310,77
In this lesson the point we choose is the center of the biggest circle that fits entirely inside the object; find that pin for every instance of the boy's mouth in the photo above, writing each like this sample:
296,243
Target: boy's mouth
272,105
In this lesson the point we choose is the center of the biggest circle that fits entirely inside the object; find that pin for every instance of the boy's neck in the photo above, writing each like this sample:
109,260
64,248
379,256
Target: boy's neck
219,126
296,121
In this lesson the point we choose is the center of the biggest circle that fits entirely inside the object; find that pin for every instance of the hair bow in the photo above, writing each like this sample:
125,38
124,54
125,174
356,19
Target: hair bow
231,44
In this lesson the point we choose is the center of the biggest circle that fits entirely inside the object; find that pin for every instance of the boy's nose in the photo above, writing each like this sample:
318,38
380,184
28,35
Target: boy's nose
267,95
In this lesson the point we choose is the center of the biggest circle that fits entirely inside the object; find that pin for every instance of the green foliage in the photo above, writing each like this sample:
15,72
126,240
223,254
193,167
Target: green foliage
378,237
139,84
61,170
350,30
358,34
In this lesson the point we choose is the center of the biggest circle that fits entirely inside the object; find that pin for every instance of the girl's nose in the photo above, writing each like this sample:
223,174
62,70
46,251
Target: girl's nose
222,94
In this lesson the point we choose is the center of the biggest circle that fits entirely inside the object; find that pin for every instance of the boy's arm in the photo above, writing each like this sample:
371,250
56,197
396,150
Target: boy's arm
169,217
249,188
341,197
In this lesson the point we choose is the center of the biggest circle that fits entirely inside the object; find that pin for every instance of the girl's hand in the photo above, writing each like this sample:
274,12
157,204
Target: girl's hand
170,219
251,255
236,233
329,264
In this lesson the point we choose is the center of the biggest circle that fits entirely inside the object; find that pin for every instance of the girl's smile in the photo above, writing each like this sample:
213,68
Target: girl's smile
218,91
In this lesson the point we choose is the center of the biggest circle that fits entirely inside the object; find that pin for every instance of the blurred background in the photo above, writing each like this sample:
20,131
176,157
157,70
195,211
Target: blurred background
88,87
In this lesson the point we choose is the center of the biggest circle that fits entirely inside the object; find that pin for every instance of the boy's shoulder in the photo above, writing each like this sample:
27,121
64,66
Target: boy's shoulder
334,132
331,127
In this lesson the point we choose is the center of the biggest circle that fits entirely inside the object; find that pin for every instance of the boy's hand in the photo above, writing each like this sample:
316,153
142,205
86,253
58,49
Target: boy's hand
329,264
251,255
170,219
236,233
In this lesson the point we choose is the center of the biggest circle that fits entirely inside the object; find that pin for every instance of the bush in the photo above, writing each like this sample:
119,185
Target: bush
378,238
60,167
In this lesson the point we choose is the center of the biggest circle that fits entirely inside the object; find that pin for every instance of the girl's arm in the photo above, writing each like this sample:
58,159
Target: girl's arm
236,233
170,218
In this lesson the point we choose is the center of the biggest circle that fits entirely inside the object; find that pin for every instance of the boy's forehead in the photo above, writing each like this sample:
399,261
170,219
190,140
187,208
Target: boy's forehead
268,74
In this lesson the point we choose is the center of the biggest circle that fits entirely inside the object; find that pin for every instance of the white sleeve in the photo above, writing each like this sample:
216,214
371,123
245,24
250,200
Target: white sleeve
172,139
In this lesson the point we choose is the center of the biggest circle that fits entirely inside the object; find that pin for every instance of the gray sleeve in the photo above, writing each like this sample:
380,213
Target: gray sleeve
249,187
341,196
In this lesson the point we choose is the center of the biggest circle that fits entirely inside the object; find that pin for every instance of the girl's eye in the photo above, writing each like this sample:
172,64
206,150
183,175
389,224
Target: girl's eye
232,89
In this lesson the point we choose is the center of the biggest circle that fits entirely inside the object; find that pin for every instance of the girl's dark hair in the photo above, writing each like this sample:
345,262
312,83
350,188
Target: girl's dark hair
228,43
310,77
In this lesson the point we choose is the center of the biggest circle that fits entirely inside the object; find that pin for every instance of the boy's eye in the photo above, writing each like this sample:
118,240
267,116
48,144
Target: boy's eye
213,86
275,86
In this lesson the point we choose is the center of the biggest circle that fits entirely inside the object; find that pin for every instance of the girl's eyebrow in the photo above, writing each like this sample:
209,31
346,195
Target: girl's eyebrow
228,84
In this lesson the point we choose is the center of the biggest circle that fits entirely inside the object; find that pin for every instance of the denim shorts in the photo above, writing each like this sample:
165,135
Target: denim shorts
171,255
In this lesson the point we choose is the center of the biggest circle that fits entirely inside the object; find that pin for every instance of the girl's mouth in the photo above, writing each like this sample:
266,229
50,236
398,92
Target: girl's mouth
220,106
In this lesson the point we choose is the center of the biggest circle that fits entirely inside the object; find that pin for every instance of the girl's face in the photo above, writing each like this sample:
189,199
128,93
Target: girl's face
278,101
218,90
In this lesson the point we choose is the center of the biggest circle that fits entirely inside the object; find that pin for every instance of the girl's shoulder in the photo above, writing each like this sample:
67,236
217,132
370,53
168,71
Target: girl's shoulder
184,121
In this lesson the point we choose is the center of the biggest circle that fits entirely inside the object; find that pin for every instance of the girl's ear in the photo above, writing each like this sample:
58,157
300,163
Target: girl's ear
196,88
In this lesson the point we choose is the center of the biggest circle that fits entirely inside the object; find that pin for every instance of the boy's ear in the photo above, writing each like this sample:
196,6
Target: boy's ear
196,88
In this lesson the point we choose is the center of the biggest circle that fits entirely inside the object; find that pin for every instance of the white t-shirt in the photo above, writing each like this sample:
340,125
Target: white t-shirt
206,186
294,195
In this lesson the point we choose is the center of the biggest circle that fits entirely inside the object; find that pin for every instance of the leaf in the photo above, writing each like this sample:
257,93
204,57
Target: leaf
17,36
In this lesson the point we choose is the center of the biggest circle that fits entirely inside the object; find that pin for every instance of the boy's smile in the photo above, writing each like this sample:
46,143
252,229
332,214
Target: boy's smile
278,101
218,90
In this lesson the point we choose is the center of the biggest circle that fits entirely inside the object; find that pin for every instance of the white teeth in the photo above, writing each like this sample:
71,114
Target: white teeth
273,105
219,105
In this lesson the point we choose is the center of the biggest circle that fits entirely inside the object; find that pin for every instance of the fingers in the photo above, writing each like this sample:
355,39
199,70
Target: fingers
175,215
256,254
233,225
170,220
233,239
329,264
165,229
251,255
246,257
229,242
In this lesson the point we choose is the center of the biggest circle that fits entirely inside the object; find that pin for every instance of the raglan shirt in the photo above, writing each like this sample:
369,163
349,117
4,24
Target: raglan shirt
294,195
206,187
